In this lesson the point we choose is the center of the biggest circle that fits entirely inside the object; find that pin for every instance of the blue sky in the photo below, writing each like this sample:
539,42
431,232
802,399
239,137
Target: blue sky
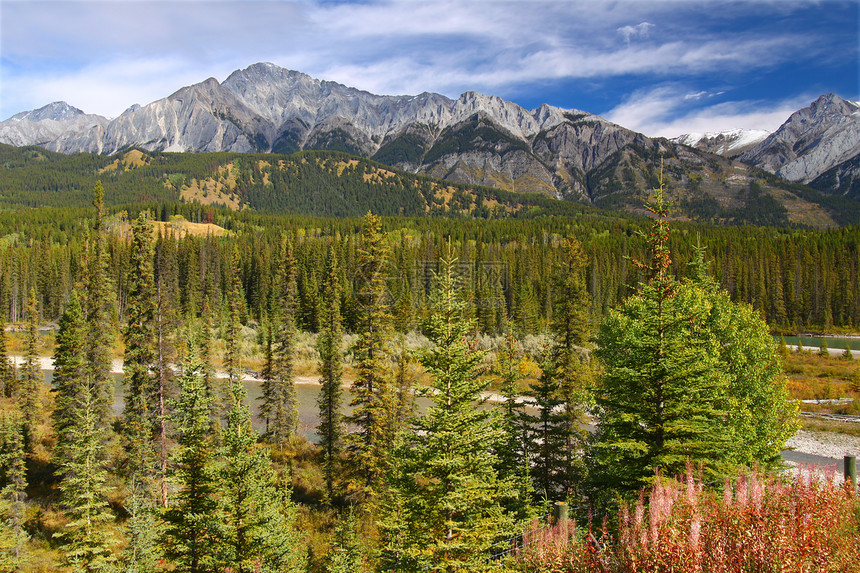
660,67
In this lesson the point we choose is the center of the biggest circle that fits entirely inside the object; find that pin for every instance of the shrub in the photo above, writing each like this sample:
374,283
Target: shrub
758,523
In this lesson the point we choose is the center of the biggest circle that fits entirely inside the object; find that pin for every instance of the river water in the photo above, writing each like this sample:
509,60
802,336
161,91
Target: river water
307,395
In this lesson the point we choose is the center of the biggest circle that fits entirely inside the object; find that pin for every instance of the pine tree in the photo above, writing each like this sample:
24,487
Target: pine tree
372,392
329,343
444,510
192,535
13,484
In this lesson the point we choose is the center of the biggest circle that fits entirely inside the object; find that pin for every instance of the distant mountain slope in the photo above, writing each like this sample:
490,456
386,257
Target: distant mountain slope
322,183
49,126
813,141
332,183
475,140
726,143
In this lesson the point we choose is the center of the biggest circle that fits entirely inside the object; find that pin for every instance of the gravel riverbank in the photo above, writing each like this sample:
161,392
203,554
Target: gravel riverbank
825,444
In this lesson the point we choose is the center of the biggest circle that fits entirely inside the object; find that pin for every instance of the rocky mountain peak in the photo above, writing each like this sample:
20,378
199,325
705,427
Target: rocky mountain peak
56,111
811,141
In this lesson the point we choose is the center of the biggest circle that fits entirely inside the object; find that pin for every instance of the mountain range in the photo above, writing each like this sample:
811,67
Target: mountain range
483,140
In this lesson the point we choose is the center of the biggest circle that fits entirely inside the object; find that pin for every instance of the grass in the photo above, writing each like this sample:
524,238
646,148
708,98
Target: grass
817,425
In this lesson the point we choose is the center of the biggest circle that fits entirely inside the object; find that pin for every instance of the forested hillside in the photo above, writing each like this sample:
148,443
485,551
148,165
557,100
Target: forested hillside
328,184
334,184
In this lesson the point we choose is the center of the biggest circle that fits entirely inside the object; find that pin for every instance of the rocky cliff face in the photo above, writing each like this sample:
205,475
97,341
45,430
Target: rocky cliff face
811,142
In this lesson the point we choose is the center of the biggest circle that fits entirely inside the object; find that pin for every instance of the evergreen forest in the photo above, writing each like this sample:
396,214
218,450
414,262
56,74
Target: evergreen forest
606,354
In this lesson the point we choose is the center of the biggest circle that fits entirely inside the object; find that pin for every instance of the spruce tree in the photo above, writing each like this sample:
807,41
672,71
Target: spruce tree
192,536
70,374
347,554
13,484
515,448
141,412
279,405
99,317
570,330
329,401
257,532
86,538
166,326
662,400
7,371
372,392
546,430
232,346
30,374
444,507
88,542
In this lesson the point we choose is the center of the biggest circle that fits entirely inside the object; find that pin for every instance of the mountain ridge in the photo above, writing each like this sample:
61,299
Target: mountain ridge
475,139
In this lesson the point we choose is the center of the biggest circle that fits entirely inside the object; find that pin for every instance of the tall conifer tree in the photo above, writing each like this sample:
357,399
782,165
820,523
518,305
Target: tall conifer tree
372,392
99,317
30,374
7,371
661,401
13,484
279,405
329,343
444,503
141,413
192,537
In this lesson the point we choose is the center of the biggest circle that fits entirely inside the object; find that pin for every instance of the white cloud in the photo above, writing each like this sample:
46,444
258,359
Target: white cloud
665,112
642,30
102,56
